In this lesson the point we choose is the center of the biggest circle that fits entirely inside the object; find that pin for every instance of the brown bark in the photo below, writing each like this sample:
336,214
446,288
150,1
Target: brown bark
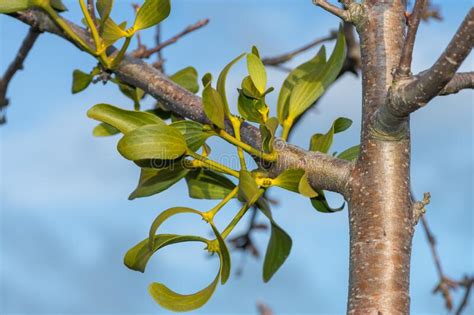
380,208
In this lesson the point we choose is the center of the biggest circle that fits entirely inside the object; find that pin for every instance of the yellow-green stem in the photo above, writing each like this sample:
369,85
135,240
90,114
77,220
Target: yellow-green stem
241,213
286,129
67,29
211,213
213,164
236,125
92,27
271,157
121,53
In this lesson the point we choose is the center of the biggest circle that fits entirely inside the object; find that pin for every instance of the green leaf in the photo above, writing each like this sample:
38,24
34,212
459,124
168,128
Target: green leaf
249,89
104,7
152,142
104,130
162,217
279,246
187,78
311,86
133,93
154,181
221,82
80,81
123,120
178,302
193,133
151,13
138,256
11,6
257,72
57,5
248,187
223,255
213,106
320,203
289,179
295,75
206,79
322,143
305,188
268,130
255,110
111,32
350,154
208,184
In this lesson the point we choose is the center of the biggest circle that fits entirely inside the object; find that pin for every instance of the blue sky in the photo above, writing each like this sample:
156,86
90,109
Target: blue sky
66,221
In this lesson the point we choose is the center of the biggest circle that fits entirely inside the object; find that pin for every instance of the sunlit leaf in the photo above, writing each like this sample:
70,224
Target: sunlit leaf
320,203
213,106
111,32
305,188
187,78
11,6
267,131
178,302
257,72
251,109
80,81
350,154
58,5
249,89
154,181
248,187
104,7
208,184
152,142
138,256
279,246
104,130
123,120
311,86
151,13
322,142
284,97
193,133
221,82
223,255
163,216
289,179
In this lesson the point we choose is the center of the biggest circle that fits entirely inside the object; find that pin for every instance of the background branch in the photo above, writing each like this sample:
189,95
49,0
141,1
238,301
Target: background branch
460,81
17,64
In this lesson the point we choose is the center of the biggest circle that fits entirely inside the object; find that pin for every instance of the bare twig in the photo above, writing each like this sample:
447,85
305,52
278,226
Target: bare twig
332,9
277,60
263,309
160,63
446,284
460,81
413,21
431,12
147,53
91,9
17,64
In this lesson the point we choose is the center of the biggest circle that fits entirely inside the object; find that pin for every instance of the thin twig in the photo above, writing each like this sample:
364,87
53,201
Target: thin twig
91,9
413,21
331,8
147,53
17,64
277,60
467,283
160,62
263,309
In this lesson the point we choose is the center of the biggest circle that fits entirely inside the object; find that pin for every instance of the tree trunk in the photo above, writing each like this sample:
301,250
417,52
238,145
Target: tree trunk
380,214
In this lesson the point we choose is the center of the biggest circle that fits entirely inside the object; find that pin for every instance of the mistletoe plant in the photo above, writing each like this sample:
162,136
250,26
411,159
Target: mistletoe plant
168,148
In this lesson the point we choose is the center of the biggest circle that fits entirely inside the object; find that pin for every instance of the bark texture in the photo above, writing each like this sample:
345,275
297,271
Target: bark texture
380,209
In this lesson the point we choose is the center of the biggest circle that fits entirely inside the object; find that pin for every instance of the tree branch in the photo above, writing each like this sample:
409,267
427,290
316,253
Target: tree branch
460,81
411,93
341,13
413,22
277,60
17,64
324,171
191,28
